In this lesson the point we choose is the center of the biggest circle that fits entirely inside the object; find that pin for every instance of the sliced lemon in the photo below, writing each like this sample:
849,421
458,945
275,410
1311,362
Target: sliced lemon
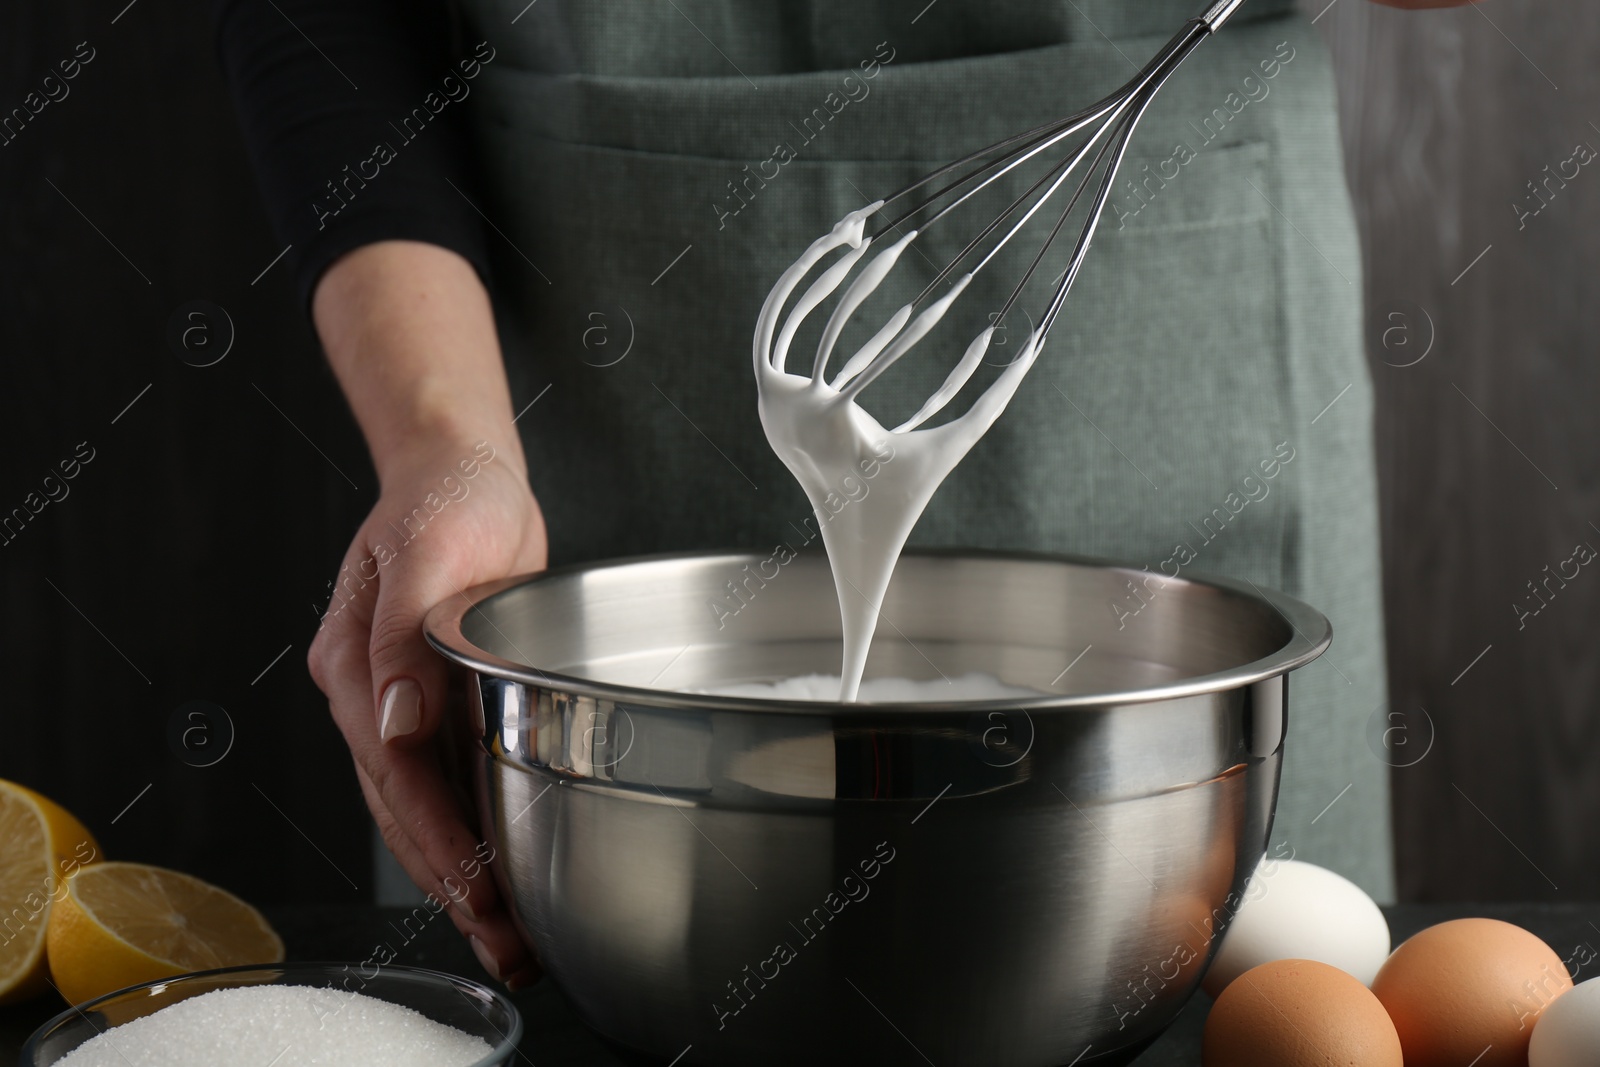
40,845
119,924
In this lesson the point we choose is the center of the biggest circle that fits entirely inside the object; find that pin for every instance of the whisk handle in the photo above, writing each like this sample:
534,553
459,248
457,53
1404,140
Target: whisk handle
1219,13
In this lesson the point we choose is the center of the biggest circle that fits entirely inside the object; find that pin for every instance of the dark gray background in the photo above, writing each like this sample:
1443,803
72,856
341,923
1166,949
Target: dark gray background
1487,448
191,550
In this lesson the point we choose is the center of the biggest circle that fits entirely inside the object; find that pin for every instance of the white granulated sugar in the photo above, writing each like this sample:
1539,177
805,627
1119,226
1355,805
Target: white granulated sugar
301,1026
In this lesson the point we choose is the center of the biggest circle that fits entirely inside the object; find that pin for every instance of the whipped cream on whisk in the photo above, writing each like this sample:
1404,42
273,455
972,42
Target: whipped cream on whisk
814,424
826,439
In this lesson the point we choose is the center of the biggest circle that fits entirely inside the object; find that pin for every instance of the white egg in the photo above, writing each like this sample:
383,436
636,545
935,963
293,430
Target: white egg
1568,1031
1295,910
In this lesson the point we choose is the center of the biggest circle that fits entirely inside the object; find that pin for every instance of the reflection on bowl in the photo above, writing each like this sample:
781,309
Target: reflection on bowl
444,998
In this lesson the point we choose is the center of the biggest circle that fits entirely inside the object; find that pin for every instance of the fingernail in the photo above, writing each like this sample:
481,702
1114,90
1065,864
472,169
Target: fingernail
402,710
518,982
461,898
484,958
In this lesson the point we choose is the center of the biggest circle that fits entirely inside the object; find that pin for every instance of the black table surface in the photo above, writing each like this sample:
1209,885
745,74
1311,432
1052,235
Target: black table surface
555,1038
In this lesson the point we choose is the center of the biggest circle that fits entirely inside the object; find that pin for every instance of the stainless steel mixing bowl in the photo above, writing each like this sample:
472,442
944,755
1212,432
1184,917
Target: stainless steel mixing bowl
1018,883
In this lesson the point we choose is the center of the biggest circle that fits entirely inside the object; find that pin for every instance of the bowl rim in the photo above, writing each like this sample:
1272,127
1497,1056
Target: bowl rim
508,1044
1310,635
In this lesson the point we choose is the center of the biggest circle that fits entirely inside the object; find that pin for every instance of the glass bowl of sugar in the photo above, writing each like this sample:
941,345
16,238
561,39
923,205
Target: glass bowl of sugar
329,1014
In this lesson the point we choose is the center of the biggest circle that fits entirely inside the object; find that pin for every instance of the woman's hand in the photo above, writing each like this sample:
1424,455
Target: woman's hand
453,517
408,330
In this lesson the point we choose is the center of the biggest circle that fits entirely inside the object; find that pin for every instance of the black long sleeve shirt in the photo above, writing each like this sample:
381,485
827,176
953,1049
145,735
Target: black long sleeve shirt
352,117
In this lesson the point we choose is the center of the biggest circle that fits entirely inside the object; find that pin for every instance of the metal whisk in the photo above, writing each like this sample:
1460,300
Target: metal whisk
1103,129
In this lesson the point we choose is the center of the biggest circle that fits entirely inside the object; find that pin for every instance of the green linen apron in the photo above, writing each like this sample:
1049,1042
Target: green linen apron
1203,406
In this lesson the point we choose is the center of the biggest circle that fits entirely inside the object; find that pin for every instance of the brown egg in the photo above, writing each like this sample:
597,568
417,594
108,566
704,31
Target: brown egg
1298,1013
1468,991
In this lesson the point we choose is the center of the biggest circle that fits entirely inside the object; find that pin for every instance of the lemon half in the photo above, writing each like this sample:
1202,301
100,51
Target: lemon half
40,845
119,924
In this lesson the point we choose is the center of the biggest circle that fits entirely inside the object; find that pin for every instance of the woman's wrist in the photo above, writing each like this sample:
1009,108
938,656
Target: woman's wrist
410,334
438,450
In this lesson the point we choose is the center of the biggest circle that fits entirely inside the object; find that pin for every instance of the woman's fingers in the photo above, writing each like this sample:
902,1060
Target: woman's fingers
494,938
408,677
408,780
387,689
